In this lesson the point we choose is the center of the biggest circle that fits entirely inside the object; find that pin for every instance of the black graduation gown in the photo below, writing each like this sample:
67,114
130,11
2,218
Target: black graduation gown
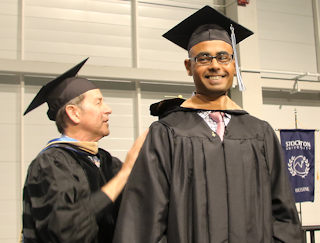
189,187
62,200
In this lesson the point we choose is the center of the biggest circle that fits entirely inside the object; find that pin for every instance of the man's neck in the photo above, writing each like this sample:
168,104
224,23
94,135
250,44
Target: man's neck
80,136
199,101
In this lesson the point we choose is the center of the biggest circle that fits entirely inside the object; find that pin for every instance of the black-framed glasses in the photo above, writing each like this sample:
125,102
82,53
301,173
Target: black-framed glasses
222,58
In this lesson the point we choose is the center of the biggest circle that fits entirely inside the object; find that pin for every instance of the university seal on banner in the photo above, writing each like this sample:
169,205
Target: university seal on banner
299,165
298,147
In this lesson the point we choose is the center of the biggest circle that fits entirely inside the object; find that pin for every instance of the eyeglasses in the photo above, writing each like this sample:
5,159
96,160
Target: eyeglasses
222,58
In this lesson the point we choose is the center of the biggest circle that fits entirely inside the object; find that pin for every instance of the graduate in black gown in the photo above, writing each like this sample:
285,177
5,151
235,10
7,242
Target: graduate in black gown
71,192
192,185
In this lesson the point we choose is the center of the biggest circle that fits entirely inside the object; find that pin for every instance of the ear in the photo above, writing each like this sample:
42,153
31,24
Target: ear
187,64
73,112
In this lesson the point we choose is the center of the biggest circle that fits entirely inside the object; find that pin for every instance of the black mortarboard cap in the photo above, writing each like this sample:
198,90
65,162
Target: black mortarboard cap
61,90
205,24
208,24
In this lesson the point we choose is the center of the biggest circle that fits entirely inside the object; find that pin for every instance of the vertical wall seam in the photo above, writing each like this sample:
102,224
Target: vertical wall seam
316,19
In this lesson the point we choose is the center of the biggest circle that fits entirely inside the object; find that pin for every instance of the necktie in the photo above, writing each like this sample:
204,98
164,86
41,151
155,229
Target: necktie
217,117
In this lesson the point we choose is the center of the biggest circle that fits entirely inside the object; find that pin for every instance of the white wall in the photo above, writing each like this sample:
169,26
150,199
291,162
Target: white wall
8,26
10,214
66,31
286,35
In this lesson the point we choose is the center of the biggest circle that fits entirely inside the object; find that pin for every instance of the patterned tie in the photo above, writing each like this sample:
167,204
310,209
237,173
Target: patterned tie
217,117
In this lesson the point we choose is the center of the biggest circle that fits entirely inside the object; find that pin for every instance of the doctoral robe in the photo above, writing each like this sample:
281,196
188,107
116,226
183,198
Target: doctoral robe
189,187
62,199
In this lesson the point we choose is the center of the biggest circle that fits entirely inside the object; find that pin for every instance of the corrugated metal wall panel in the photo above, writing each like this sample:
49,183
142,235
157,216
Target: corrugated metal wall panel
154,50
10,200
286,35
8,26
66,30
278,55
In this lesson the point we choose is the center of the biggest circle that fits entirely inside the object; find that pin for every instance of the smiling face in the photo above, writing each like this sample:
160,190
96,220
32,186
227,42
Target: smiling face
94,116
215,79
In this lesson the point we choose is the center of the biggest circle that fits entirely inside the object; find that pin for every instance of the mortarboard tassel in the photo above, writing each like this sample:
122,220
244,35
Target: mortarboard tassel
233,41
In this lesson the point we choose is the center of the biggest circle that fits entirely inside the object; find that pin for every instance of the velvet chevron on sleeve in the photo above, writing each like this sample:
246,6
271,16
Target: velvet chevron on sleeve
62,200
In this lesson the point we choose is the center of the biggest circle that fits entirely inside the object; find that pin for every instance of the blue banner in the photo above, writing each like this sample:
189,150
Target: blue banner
298,146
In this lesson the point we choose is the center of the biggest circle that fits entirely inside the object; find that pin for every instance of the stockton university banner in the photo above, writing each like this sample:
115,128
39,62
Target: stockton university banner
298,147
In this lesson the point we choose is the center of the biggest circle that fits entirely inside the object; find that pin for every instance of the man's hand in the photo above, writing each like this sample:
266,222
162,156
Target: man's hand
114,187
134,151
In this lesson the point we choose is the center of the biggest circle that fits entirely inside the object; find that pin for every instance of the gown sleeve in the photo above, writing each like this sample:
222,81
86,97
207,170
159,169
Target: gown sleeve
58,205
144,207
286,224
